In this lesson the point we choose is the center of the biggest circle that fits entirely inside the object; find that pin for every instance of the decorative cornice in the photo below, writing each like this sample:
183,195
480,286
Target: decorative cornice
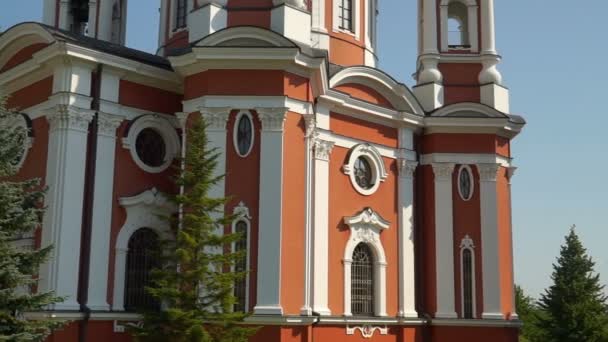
407,168
295,3
107,124
367,331
311,125
443,171
241,211
215,117
488,172
369,217
273,119
323,149
467,242
66,117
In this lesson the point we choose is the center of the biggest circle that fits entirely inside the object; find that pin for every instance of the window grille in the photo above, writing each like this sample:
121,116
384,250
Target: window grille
467,277
240,286
181,13
346,15
141,259
362,281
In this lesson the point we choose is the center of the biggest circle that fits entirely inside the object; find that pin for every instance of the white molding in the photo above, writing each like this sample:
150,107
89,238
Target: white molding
220,101
291,19
465,158
467,244
379,173
355,18
367,331
407,277
243,113
466,168
62,223
241,211
143,211
270,210
366,227
165,129
444,240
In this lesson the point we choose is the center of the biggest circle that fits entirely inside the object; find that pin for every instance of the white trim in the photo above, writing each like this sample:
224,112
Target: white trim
165,129
366,227
379,173
142,212
467,244
247,114
355,20
465,158
241,212
407,276
214,101
466,168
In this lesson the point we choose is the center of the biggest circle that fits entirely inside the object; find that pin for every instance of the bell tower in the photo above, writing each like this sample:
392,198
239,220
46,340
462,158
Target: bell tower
457,57
101,19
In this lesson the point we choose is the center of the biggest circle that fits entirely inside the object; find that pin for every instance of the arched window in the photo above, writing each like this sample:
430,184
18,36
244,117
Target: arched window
459,26
181,13
141,259
458,34
362,281
240,286
467,270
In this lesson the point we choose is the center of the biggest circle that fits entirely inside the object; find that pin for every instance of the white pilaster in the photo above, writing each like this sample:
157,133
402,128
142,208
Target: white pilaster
105,20
207,19
488,36
216,119
271,200
63,217
490,241
64,14
291,19
407,293
320,36
49,9
322,152
444,240
102,211
429,28
92,25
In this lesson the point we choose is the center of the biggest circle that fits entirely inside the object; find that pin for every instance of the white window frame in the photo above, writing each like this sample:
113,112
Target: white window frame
235,132
467,244
366,227
241,212
472,19
371,154
356,22
164,128
143,211
466,168
22,121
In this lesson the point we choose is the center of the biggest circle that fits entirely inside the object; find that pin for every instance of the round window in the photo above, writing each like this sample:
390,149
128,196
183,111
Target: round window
363,173
150,147
243,134
465,183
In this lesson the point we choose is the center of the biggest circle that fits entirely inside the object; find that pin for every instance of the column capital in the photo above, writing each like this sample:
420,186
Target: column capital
407,168
322,149
273,119
311,125
488,172
215,117
68,117
182,118
511,172
108,123
443,171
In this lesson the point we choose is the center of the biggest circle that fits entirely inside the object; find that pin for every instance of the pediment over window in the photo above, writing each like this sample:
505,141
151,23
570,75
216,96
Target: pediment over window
365,227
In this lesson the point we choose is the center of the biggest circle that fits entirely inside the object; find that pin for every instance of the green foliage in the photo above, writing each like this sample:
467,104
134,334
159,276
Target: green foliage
193,284
20,213
575,305
529,313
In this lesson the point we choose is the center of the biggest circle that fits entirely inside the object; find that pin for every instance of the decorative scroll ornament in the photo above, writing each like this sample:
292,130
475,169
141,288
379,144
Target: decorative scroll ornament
108,124
367,331
69,118
407,168
323,149
241,211
273,119
443,171
311,125
215,117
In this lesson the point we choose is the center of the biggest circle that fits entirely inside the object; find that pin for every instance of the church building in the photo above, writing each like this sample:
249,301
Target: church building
371,211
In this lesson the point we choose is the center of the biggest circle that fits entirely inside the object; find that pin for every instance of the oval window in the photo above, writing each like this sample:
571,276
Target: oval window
363,173
243,134
465,183
151,148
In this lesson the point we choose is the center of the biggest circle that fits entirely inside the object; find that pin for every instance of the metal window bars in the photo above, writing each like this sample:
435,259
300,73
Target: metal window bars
362,281
141,259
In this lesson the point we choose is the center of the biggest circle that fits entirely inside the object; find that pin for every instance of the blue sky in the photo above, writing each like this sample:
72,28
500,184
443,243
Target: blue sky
553,65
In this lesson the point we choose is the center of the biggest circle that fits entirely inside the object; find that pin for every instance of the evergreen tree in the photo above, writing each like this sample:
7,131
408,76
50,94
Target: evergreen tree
575,303
20,213
195,285
529,313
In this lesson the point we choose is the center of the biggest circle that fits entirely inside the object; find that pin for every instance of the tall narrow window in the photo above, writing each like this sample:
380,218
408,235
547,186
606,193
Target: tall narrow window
181,12
240,286
346,15
362,281
467,279
141,259
458,33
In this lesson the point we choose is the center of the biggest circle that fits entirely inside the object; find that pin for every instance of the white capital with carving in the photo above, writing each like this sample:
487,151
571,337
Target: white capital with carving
488,172
215,117
407,168
323,149
69,117
107,124
295,3
273,119
407,295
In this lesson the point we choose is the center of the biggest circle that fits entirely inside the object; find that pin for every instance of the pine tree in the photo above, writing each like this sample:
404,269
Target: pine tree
575,303
20,213
195,285
529,313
